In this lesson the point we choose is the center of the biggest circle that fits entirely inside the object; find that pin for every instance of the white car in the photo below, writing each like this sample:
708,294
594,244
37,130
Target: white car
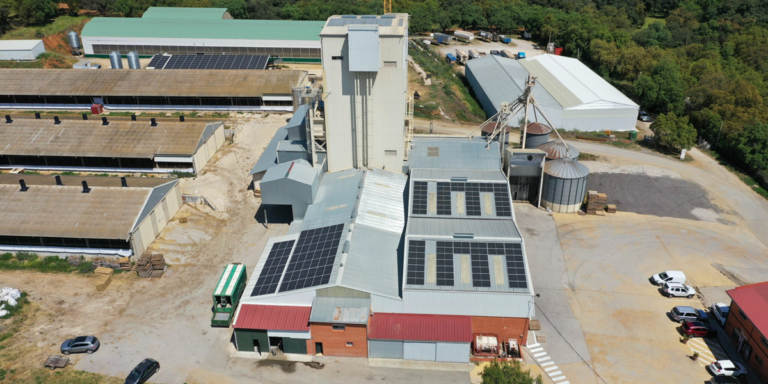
727,368
720,310
678,290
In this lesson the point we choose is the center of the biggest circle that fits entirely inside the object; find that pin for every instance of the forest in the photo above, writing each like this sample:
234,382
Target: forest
700,66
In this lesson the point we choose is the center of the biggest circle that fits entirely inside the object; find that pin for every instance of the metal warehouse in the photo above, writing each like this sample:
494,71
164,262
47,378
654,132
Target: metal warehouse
572,95
21,49
84,215
165,90
104,146
202,31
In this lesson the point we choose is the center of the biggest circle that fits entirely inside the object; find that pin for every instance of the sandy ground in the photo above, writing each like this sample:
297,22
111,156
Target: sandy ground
481,46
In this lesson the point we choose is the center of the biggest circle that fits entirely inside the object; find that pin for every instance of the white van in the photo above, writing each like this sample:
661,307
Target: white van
668,277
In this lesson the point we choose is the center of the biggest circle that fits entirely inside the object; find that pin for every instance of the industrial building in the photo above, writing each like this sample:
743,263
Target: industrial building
23,50
84,215
201,31
571,95
747,325
240,90
108,146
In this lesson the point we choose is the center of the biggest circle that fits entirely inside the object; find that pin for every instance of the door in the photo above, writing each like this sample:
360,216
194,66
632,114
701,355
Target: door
452,352
319,348
424,351
257,346
276,342
385,349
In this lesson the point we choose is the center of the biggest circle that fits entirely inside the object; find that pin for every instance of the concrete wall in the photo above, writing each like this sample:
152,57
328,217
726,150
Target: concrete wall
737,325
208,149
335,342
149,228
504,328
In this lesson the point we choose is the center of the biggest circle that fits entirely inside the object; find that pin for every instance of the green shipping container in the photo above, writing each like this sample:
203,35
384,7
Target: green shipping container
227,294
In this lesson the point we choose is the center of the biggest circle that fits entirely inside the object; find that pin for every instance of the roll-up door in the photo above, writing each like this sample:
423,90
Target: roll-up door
385,349
452,352
418,350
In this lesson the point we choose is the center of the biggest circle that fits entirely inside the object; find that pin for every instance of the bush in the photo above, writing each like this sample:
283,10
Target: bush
506,372
24,256
6,256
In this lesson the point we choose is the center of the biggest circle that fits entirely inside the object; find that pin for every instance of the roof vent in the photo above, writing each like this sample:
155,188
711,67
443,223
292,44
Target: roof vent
346,247
459,178
153,122
23,185
56,120
85,187
133,117
85,116
58,180
124,182
8,119
104,121
463,235
181,118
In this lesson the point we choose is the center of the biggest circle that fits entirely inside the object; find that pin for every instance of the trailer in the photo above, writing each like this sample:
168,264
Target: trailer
504,39
56,361
461,56
227,294
521,55
507,54
442,38
473,54
488,36
464,35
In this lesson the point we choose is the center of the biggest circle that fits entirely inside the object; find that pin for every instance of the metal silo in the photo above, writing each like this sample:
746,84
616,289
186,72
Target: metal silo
537,134
74,42
133,60
556,149
115,60
565,185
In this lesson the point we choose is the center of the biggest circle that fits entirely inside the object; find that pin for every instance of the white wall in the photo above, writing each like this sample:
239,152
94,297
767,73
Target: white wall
90,41
23,54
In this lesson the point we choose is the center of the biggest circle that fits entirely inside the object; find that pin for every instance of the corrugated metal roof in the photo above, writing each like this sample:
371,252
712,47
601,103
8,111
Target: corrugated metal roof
119,139
269,157
336,199
184,13
297,170
556,149
753,300
538,129
205,29
382,203
446,228
228,280
397,326
273,317
93,181
207,83
371,264
18,45
454,153
478,175
391,24
457,303
572,83
566,169
341,310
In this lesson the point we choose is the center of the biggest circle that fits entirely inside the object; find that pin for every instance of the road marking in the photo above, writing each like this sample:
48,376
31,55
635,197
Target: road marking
533,345
539,354
550,368
558,378
539,349
544,359
555,373
548,363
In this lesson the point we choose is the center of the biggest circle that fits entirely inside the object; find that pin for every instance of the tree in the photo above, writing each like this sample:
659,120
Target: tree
507,373
5,21
753,146
100,6
36,11
673,132
237,8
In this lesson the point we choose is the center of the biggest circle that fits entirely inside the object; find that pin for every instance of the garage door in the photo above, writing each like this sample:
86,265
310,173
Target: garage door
452,352
385,349
413,350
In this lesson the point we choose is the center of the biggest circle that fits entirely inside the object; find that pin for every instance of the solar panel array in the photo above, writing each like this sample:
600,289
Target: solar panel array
472,197
419,202
209,62
273,268
503,207
312,261
515,266
416,250
444,198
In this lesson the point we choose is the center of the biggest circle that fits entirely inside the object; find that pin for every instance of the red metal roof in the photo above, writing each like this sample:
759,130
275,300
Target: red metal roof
396,326
275,317
753,300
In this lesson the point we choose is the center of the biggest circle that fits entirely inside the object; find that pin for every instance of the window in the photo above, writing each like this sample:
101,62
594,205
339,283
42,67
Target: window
757,357
337,57
764,341
743,316
736,335
351,344
390,152
339,328
390,64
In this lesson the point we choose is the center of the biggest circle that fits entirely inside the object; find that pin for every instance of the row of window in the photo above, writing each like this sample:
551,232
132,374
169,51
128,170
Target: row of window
148,50
63,242
91,162
144,100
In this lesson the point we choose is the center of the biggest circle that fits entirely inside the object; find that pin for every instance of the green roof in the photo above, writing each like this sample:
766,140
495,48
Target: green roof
184,13
204,29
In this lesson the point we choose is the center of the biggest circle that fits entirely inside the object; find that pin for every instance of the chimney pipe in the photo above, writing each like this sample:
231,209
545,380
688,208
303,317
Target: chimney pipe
8,119
133,117
23,185
37,115
85,187
56,120
104,121
85,116
58,180
153,122
124,182
181,118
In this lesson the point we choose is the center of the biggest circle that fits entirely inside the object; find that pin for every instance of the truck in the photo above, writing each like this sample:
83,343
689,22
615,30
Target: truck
461,56
442,38
227,294
488,36
473,54
450,57
464,35
507,54
504,39
521,55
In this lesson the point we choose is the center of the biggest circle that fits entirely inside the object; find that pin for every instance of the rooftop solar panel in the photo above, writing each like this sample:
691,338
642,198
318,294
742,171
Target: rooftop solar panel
515,265
444,198
209,61
416,250
273,268
313,259
444,265
419,202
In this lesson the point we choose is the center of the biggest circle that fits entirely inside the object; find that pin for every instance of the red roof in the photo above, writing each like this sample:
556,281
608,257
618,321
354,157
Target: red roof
753,300
396,326
275,317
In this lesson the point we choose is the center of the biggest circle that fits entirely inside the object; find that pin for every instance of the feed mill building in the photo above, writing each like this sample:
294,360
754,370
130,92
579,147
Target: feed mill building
572,95
108,146
84,215
201,31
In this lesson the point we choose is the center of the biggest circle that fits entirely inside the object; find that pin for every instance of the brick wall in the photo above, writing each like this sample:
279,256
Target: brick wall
758,358
504,327
335,342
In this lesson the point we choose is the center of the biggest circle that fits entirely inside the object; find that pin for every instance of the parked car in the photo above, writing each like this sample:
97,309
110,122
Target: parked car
645,117
80,344
143,372
697,328
685,313
495,52
727,368
678,290
668,277
720,310
723,380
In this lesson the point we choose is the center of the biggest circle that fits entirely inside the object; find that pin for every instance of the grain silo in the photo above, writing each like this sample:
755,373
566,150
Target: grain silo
565,185
556,149
536,134
115,60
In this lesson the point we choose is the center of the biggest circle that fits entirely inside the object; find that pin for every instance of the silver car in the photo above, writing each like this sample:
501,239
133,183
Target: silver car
80,344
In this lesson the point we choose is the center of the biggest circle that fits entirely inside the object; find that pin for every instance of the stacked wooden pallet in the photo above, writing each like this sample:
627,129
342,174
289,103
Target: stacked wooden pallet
596,203
151,265
105,262
125,263
74,260
611,208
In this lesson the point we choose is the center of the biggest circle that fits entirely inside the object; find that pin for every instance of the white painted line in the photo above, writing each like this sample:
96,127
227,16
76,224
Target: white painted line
550,368
565,382
558,378
539,354
533,345
537,350
548,363
544,359
554,373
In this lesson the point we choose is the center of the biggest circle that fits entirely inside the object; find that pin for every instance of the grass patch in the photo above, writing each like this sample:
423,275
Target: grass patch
584,156
45,60
218,115
180,174
744,177
651,20
59,24
26,261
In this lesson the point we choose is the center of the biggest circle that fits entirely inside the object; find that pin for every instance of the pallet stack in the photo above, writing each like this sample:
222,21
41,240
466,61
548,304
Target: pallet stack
611,208
596,203
106,263
74,260
151,265
125,263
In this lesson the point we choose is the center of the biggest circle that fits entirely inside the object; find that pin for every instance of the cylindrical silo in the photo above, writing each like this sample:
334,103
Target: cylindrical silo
565,185
133,60
556,149
537,134
487,130
74,42
115,60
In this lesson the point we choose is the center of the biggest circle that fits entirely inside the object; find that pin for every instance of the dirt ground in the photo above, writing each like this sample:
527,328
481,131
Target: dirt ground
481,46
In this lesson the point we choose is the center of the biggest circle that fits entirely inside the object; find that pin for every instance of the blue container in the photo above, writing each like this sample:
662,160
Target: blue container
521,55
451,57
507,40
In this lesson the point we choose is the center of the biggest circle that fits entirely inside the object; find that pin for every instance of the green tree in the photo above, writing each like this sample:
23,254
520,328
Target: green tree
507,373
74,7
753,146
237,8
36,11
673,132
5,21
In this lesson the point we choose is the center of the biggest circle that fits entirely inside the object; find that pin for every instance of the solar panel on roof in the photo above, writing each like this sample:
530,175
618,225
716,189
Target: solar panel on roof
444,263
481,272
443,198
515,265
503,207
313,259
419,202
209,61
416,250
273,268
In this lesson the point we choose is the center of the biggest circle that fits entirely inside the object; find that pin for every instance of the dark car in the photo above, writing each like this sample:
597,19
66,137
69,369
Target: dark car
143,372
645,117
697,328
495,53
80,344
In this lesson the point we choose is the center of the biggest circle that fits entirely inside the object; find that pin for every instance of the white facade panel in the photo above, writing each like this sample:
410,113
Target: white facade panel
306,335
452,352
173,159
364,55
385,349
90,41
338,90
21,49
419,350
